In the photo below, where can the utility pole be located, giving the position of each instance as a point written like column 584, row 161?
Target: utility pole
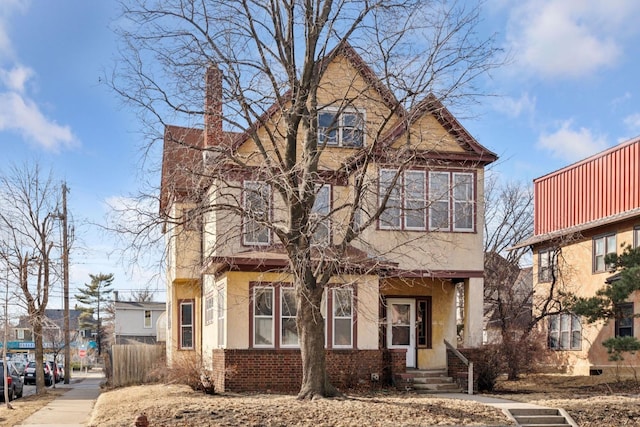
column 65, row 280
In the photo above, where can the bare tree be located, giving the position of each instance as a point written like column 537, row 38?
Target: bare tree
column 30, row 203
column 511, row 304
column 271, row 60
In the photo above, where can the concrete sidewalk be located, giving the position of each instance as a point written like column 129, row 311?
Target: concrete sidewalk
column 74, row 407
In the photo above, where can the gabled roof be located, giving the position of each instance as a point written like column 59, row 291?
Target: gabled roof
column 135, row 305
column 182, row 154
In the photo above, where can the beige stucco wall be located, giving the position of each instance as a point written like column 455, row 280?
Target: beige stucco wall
column 442, row 295
column 238, row 302
column 577, row 276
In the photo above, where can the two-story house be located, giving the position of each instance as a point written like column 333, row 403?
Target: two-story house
column 392, row 303
column 137, row 322
column 582, row 213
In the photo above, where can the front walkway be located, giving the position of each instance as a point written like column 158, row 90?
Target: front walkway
column 74, row 407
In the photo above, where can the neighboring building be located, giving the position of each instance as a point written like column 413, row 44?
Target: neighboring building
column 53, row 330
column 582, row 213
column 137, row 322
column 508, row 297
column 394, row 304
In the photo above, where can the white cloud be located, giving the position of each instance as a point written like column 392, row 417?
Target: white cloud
column 515, row 107
column 22, row 115
column 19, row 111
column 569, row 38
column 633, row 122
column 572, row 144
column 16, row 78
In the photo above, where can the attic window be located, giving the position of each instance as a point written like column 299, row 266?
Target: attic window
column 341, row 128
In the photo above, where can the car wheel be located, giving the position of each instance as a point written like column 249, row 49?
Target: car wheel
column 19, row 395
column 10, row 394
column 47, row 382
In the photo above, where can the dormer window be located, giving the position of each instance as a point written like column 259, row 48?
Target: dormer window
column 341, row 128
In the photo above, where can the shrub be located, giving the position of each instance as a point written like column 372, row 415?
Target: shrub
column 488, row 365
column 189, row 369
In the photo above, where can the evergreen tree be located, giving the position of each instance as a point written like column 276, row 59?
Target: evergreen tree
column 606, row 304
column 93, row 298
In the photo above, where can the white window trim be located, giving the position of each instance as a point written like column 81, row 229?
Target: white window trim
column 245, row 186
column 470, row 202
column 606, row 249
column 340, row 125
column 220, row 318
column 327, row 220
column 402, row 199
column 272, row 316
column 190, row 325
column 334, row 317
column 559, row 331
column 144, row 319
column 281, row 317
column 443, row 198
column 405, row 199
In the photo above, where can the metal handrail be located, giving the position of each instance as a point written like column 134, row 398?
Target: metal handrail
column 467, row 362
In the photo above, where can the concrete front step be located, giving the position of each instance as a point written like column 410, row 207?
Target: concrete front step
column 426, row 381
column 539, row 417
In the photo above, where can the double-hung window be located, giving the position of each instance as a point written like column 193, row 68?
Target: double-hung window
column 624, row 319
column 257, row 209
column 186, row 324
column 263, row 316
column 274, row 317
column 288, row 311
column 320, row 216
column 220, row 308
column 462, row 201
column 341, row 128
column 274, row 311
column 603, row 246
column 546, row 265
column 636, row 237
column 405, row 208
column 147, row 319
column 342, row 317
column 565, row 332
column 451, row 201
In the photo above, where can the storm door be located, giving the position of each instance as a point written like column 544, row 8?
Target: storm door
column 401, row 327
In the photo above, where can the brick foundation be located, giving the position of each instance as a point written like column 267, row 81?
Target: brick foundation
column 281, row 370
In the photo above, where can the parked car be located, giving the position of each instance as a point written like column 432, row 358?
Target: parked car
column 30, row 374
column 53, row 366
column 15, row 385
column 61, row 371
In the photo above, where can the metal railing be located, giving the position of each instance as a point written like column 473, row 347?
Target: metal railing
column 467, row 363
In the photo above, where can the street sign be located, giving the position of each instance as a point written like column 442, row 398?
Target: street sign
column 82, row 352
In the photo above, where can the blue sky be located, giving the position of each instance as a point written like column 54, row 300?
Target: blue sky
column 571, row 89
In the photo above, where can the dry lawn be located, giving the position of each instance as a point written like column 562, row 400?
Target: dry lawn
column 178, row 405
column 26, row 406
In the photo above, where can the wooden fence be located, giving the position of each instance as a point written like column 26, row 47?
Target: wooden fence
column 134, row 364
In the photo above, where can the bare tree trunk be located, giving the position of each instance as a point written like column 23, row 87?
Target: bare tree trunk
column 37, row 337
column 310, row 321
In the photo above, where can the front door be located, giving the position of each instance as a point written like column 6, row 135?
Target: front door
column 401, row 326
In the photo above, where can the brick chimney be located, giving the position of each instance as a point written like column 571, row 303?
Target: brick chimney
column 213, row 106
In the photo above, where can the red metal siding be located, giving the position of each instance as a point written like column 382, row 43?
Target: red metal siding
column 597, row 187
